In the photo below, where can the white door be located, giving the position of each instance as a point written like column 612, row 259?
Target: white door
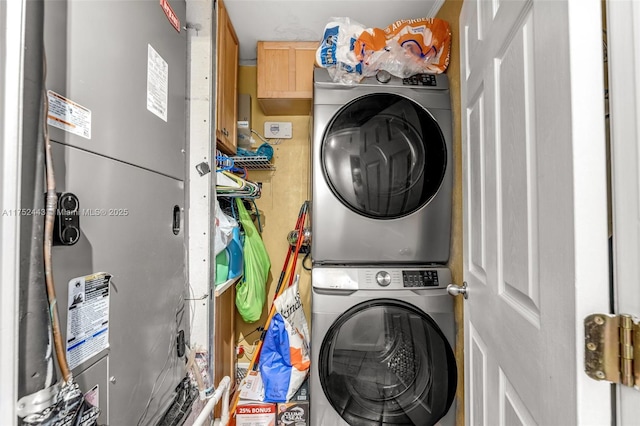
column 623, row 25
column 535, row 213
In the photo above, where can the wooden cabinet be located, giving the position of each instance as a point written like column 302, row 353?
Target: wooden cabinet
column 285, row 76
column 227, row 83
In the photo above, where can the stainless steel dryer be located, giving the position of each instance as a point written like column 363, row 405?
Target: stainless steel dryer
column 382, row 347
column 382, row 170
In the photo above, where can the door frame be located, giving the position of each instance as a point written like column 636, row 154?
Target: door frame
column 623, row 61
column 12, row 25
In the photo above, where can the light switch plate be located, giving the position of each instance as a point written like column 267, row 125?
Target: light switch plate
column 277, row 130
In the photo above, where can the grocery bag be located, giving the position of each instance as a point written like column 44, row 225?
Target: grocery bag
column 251, row 291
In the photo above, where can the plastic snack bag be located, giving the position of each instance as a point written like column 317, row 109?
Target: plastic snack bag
column 412, row 46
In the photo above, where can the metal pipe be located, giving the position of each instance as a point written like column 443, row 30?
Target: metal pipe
column 222, row 391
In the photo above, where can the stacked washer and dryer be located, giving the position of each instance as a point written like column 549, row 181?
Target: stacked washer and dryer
column 382, row 324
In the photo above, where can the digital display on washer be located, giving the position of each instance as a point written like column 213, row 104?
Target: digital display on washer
column 420, row 278
column 420, row 80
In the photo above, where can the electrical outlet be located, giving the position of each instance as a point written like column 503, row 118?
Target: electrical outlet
column 277, row 130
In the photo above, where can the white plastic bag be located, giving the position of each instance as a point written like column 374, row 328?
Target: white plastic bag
column 336, row 50
column 223, row 229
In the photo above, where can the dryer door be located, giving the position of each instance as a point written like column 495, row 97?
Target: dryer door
column 385, row 362
column 384, row 156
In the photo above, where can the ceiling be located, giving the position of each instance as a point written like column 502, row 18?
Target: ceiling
column 304, row 20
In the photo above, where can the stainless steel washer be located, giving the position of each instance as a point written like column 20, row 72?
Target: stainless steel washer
column 382, row 347
column 381, row 171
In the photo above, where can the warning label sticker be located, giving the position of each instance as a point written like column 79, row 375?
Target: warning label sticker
column 171, row 15
column 87, row 317
column 68, row 115
column 157, row 84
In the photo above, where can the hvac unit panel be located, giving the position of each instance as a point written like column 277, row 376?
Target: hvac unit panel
column 127, row 230
column 111, row 58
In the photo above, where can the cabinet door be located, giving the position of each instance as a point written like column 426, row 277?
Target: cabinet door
column 285, row 76
column 227, row 100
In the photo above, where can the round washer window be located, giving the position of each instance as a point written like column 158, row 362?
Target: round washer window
column 385, row 362
column 384, row 156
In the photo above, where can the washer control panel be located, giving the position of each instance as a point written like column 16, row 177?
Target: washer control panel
column 420, row 278
column 420, row 80
column 382, row 278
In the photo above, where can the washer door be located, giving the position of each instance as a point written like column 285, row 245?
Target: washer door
column 383, row 156
column 385, row 362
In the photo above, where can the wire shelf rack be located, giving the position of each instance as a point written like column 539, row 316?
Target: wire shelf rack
column 257, row 162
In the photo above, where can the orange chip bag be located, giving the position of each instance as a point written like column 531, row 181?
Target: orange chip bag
column 426, row 41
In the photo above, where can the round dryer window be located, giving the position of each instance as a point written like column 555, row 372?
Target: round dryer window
column 385, row 362
column 384, row 156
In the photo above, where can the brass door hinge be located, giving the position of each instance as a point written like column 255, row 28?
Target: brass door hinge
column 612, row 348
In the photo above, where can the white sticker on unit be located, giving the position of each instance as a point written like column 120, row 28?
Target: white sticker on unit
column 69, row 116
column 337, row 279
column 157, row 84
column 87, row 317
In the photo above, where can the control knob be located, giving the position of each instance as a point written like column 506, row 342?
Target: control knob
column 383, row 278
column 383, row 76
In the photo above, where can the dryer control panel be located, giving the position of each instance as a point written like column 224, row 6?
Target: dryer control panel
column 420, row 278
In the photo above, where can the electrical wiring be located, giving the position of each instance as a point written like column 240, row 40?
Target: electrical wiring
column 193, row 311
column 263, row 139
column 304, row 259
column 259, row 328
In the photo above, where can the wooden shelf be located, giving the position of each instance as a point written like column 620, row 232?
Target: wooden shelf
column 221, row 288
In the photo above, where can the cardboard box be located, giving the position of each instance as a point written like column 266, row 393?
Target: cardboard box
column 256, row 414
column 293, row 414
